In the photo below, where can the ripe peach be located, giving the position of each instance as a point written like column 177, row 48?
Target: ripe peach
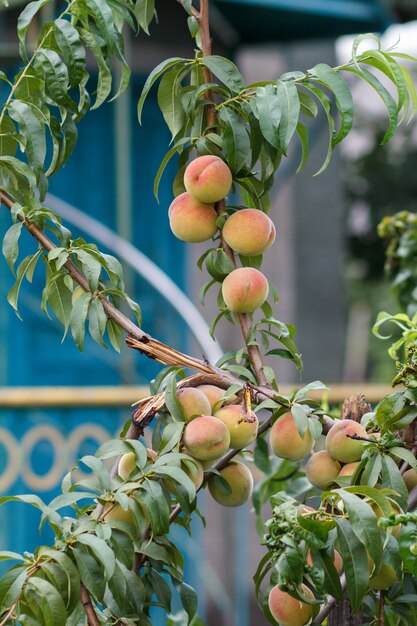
column 213, row 394
column 271, row 238
column 206, row 438
column 249, row 232
column 321, row 469
column 207, row 178
column 289, row 611
column 342, row 447
column 337, row 561
column 193, row 403
column 191, row 220
column 240, row 480
column 349, row 469
column 410, row 478
column 286, row 441
column 242, row 432
column 244, row 290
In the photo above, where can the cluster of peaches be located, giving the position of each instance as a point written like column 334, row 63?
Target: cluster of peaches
column 248, row 232
column 340, row 459
column 211, row 428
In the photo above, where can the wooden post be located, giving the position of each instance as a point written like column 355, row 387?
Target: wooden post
column 354, row 407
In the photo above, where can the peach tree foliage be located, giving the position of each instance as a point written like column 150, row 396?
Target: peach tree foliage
column 111, row 569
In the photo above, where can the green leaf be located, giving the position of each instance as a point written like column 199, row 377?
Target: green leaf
column 78, row 317
column 56, row 76
column 344, row 102
column 97, row 320
column 176, row 148
column 104, row 81
column 101, row 552
column 324, row 562
column 6, row 555
column 32, row 128
column 171, row 437
column 24, row 21
column 384, row 94
column 49, row 601
column 179, row 476
column 153, row 500
column 324, row 101
column 10, row 247
column 236, row 139
column 226, row 71
column 144, row 12
column 308, row 105
column 90, row 266
column 72, row 49
column 218, row 264
column 171, row 401
column 392, row 479
column 169, row 100
column 303, row 136
column 189, row 600
column 363, row 522
column 26, row 268
column 115, row 334
column 268, row 111
column 91, row 573
column 104, row 17
column 11, row 585
column 153, row 76
column 9, row 139
column 355, row 562
column 290, row 112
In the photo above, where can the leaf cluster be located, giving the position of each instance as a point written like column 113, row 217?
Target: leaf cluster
column 95, row 547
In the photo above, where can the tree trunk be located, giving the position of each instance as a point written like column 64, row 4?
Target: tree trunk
column 354, row 407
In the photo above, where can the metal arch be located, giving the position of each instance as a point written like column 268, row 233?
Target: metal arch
column 146, row 268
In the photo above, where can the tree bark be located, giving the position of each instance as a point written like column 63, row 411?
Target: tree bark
column 354, row 407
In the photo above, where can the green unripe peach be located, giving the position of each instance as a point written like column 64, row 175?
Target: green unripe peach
column 208, row 178
column 191, row 220
column 386, row 577
column 244, row 290
column 127, row 462
column 240, row 481
column 410, row 478
column 206, row 438
column 193, row 403
column 289, row 611
column 242, row 432
column 321, row 469
column 114, row 512
column 339, row 443
column 286, row 441
column 349, row 469
column 249, row 232
column 395, row 510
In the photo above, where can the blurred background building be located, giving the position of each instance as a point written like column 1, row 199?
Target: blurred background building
column 327, row 263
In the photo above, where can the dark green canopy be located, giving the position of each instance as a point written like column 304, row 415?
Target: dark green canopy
column 258, row 21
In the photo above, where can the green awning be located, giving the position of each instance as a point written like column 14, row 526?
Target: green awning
column 258, row 21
